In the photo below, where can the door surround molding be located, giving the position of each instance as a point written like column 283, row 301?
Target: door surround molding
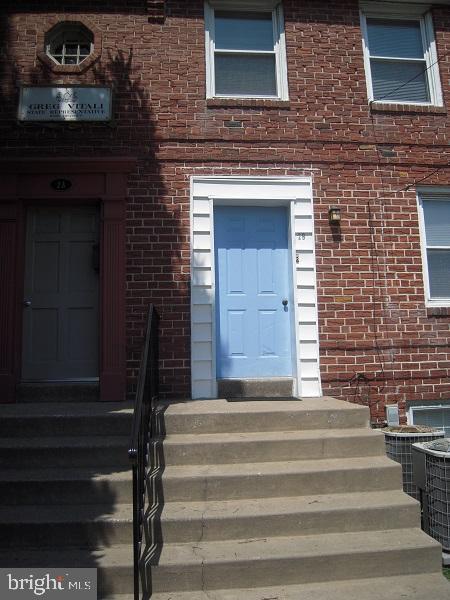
column 296, row 194
column 27, row 182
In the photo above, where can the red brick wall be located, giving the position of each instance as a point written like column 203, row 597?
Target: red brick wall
column 378, row 342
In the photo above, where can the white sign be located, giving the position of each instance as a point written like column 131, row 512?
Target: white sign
column 50, row 103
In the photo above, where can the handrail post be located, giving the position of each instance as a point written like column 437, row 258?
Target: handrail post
column 136, row 533
column 141, row 434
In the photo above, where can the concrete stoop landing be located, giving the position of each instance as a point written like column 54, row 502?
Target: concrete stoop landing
column 282, row 500
column 65, row 489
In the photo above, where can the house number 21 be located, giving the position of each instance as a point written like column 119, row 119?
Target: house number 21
column 61, row 185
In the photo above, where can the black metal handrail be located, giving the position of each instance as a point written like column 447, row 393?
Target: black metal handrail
column 146, row 399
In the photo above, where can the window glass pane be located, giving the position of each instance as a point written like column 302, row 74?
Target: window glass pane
column 402, row 39
column 388, row 76
column 243, row 31
column 69, row 43
column 437, row 417
column 439, row 273
column 245, row 75
column 437, row 222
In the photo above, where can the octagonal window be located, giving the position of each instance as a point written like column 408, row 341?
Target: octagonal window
column 69, row 43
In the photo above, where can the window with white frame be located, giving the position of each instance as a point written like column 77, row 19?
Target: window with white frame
column 245, row 50
column 434, row 210
column 69, row 43
column 400, row 54
column 437, row 416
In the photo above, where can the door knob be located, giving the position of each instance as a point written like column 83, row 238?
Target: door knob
column 284, row 302
column 27, row 303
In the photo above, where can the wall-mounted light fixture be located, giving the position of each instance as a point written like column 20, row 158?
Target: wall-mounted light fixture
column 334, row 215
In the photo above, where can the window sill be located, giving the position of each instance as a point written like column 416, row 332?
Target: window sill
column 68, row 69
column 407, row 108
column 246, row 103
column 438, row 311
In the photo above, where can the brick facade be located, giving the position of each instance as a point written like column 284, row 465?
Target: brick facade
column 378, row 341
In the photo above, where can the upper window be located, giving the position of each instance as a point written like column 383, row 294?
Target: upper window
column 69, row 43
column 245, row 50
column 400, row 56
column 435, row 231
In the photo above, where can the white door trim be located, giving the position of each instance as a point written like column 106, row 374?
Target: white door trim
column 296, row 194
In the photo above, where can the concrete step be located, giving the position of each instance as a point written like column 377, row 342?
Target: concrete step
column 60, row 419
column 276, row 479
column 411, row 587
column 66, row 451
column 114, row 564
column 293, row 560
column 91, row 525
column 65, row 486
column 297, row 515
column 215, row 416
column 34, row 392
column 268, row 388
column 220, row 448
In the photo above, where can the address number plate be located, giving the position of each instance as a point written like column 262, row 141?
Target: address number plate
column 61, row 185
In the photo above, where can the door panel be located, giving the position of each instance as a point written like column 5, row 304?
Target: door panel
column 252, row 279
column 82, row 334
column 46, row 267
column 60, row 326
column 44, row 333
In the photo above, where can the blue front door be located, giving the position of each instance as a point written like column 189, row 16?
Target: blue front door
column 253, row 304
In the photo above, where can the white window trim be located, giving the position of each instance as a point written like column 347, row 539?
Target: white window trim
column 420, row 407
column 421, row 13
column 429, row 194
column 65, row 29
column 279, row 46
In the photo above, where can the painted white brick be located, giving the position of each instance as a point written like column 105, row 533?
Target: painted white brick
column 309, row 350
column 304, row 241
column 202, row 206
column 305, row 259
column 202, row 295
column 307, row 313
column 303, row 208
column 307, row 332
column 202, row 389
column 202, row 241
column 306, row 277
column 202, row 258
column 201, row 332
column 303, row 224
column 203, row 369
column 202, row 313
column 201, row 277
column 251, row 190
column 310, row 387
column 309, row 368
column 201, row 351
column 306, row 295
column 202, row 223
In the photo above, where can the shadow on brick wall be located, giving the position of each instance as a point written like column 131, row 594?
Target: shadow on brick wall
column 154, row 229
